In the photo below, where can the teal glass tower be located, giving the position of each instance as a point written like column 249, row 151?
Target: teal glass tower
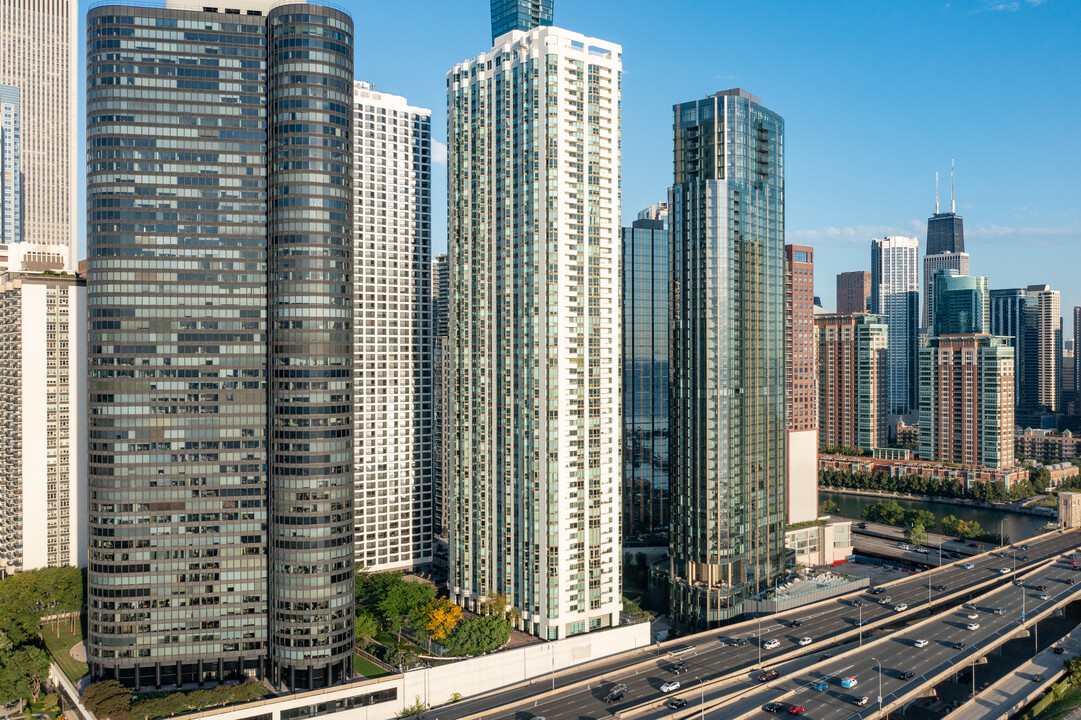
column 728, row 442
column 510, row 15
column 962, row 304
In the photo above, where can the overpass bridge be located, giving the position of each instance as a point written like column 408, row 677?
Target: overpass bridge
column 722, row 658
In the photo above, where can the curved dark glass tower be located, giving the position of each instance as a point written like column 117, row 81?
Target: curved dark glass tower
column 219, row 287
column 311, row 354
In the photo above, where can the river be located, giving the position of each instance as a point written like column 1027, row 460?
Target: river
column 1016, row 526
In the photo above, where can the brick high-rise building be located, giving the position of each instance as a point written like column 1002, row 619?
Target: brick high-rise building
column 852, row 364
column 966, row 400
column 801, row 379
column 854, row 292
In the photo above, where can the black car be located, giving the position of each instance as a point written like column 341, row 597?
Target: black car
column 907, row 675
column 677, row 703
column 1023, row 558
column 1037, row 678
column 736, row 642
column 1041, row 588
column 679, row 668
column 857, row 603
column 938, row 588
column 613, row 697
column 773, row 707
column 824, row 657
column 1024, row 547
column 795, row 623
column 1060, row 650
column 959, row 646
column 878, row 591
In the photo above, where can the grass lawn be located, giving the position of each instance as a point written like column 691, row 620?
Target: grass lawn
column 60, row 648
column 367, row 668
column 1070, row 700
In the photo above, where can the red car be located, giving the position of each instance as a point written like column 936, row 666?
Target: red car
column 769, row 675
column 796, row 710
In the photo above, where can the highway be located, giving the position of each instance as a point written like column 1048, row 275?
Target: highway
column 902, row 652
column 580, row 694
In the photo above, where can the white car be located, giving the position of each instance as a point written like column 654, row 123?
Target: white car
column 900, row 608
column 921, row 643
column 968, row 566
column 1045, row 596
column 770, row 644
column 1004, row 571
column 805, row 641
column 973, row 626
column 973, row 616
column 670, row 686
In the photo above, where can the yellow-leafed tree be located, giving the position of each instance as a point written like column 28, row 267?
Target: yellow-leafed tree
column 443, row 617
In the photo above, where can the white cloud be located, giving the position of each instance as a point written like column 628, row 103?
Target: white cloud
column 860, row 234
column 439, row 153
column 1021, row 236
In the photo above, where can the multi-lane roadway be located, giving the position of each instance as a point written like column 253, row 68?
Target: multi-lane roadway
column 581, row 694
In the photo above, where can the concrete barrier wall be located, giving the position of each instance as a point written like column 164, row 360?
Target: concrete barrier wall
column 434, row 686
column 756, row 608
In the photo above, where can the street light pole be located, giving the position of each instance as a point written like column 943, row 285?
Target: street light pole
column 880, row 704
column 759, row 636
column 701, row 695
column 861, row 625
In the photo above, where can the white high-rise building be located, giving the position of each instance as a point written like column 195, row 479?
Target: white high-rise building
column 895, row 295
column 10, row 172
column 39, row 55
column 392, row 211
column 533, row 129
column 43, row 512
column 958, row 261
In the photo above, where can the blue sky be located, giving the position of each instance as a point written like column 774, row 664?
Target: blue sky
column 876, row 96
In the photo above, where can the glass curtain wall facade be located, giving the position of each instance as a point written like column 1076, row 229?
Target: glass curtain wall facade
column 962, row 304
column 931, row 265
column 1032, row 318
column 220, row 351
column 440, row 305
column 727, row 451
column 945, row 233
column 11, row 206
column 646, row 263
column 895, row 295
column 522, row 15
column 535, row 466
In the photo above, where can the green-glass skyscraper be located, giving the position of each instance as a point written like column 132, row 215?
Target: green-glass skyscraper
column 523, row 15
column 726, row 218
column 962, row 304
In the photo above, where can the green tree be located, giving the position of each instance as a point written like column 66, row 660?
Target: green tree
column 889, row 513
column 474, row 636
column 956, row 527
column 366, row 626
column 828, row 507
column 915, row 534
column 415, row 709
column 1073, row 670
column 401, row 601
column 1040, row 478
column 920, row 517
column 108, row 699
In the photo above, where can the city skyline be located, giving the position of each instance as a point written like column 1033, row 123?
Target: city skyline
column 865, row 174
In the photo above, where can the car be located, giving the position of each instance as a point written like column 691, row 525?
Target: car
column 1003, row 571
column 1041, row 588
column 999, row 611
column 907, row 675
column 805, row 641
column 679, row 668
column 973, row 545
column 849, row 682
column 677, row 703
column 878, row 591
column 618, row 688
column 1077, row 568
column 613, row 697
column 736, row 642
column 824, row 657
column 769, row 675
column 770, row 644
column 819, row 686
column 969, row 606
column 1070, row 581
column 1060, row 650
column 938, row 588
column 670, row 686
column 968, row 566
column 1024, row 547
column 862, row 525
column 1045, row 596
column 1073, row 563
column 857, row 603
column 1018, row 583
column 973, row 616
column 959, row 646
column 860, row 701
column 772, row 707
column 973, row 626
column 1037, row 678
column 900, row 607
column 921, row 643
column 796, row 710
column 1023, row 558
column 795, row 623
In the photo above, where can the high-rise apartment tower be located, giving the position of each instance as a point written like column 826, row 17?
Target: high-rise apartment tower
column 535, row 329
column 11, row 205
column 852, row 365
column 931, row 265
column 801, row 386
column 962, row 304
column 895, row 295
column 392, row 353
column 521, row 15
column 854, row 292
column 220, row 294
column 728, row 434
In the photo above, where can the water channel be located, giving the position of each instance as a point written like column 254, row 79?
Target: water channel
column 1015, row 525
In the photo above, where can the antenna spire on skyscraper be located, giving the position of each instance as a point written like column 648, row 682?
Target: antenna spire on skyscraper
column 953, row 196
column 936, row 192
